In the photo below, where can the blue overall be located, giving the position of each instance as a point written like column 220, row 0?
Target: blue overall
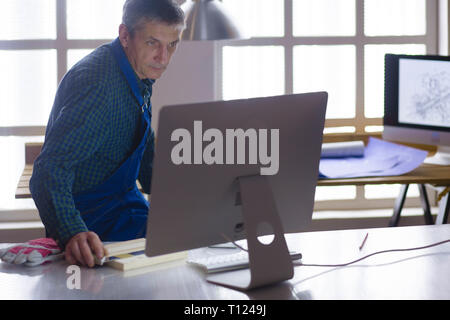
column 116, row 210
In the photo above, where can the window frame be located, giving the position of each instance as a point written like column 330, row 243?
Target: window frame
column 23, row 212
column 430, row 39
column 359, row 40
column 62, row 44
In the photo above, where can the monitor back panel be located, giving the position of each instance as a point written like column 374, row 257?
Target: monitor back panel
column 192, row 204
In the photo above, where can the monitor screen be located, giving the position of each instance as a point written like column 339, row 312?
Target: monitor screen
column 424, row 93
column 417, row 100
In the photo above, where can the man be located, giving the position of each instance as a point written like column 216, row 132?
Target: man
column 99, row 140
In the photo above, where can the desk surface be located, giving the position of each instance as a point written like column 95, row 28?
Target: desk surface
column 424, row 174
column 421, row 274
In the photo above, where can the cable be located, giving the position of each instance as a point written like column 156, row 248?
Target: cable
column 369, row 255
column 233, row 242
column 351, row 262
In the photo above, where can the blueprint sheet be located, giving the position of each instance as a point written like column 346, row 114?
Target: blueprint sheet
column 381, row 158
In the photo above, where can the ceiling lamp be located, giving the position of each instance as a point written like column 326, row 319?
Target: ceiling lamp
column 209, row 20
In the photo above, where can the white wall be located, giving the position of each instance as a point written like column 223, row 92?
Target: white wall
column 189, row 78
column 443, row 28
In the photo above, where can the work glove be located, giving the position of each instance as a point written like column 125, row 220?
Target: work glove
column 32, row 253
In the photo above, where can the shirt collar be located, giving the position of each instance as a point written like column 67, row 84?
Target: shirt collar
column 145, row 84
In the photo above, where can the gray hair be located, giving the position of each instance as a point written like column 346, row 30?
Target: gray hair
column 166, row 11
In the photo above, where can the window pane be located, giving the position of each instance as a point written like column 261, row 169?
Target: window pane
column 335, row 193
column 394, row 17
column 373, row 129
column 27, row 19
column 258, row 18
column 331, row 69
column 99, row 19
column 250, row 72
column 345, row 129
column 309, row 17
column 374, row 74
column 75, row 55
column 27, row 86
column 387, row 191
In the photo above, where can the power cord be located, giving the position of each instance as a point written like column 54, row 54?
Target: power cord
column 369, row 255
column 351, row 262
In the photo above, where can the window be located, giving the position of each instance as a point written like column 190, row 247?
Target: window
column 93, row 19
column 242, row 65
column 40, row 40
column 293, row 48
column 28, row 19
column 333, row 45
column 328, row 68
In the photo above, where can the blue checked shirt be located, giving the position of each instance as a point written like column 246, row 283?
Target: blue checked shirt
column 94, row 126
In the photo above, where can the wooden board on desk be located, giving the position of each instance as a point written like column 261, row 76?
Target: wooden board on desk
column 23, row 191
column 130, row 255
column 136, row 260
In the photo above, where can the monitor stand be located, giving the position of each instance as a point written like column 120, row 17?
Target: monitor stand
column 269, row 263
column 442, row 157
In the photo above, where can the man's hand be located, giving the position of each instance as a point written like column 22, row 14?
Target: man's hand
column 82, row 246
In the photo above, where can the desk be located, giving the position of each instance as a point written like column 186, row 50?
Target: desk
column 424, row 174
column 438, row 176
column 421, row 274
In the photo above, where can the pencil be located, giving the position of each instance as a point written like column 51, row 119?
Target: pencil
column 364, row 241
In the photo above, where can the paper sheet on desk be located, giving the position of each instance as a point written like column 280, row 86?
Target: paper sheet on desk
column 381, row 158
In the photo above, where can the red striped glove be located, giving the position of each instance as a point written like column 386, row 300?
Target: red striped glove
column 32, row 253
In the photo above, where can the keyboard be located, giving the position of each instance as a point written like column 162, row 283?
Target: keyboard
column 227, row 262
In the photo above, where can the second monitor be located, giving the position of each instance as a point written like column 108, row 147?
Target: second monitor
column 417, row 102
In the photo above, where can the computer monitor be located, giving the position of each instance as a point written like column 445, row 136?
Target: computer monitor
column 224, row 169
column 417, row 102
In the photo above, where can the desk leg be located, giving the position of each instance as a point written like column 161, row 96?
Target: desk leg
column 399, row 206
column 425, row 204
column 444, row 208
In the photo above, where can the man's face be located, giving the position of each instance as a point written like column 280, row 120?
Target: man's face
column 150, row 48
